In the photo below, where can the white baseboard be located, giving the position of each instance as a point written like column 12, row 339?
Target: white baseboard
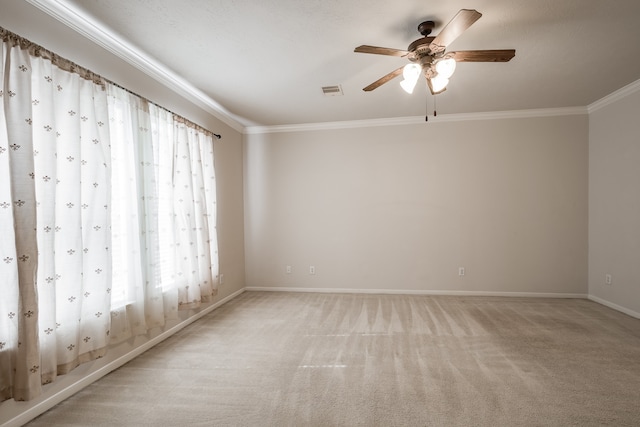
column 419, row 292
column 615, row 306
column 66, row 392
column 449, row 293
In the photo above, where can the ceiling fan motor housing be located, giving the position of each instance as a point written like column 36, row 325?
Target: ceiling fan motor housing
column 420, row 52
column 426, row 27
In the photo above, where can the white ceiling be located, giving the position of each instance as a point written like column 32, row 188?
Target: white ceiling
column 266, row 61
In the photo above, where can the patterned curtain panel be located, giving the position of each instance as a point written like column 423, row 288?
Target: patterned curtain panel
column 55, row 261
column 137, row 292
column 194, row 203
column 92, row 176
column 163, row 215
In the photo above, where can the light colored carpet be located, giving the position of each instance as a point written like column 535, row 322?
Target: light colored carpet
column 291, row 359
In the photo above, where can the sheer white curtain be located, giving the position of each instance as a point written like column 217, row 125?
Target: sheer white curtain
column 91, row 178
column 163, row 215
column 139, row 302
column 55, row 261
column 194, row 205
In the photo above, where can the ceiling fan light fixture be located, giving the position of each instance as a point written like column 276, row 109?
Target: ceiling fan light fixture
column 411, row 74
column 438, row 83
column 430, row 53
column 411, row 71
column 446, row 67
column 408, row 85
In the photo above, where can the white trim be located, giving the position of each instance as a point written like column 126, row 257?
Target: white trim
column 399, row 121
column 614, row 306
column 417, row 292
column 103, row 36
column 92, row 377
column 446, row 293
column 615, row 96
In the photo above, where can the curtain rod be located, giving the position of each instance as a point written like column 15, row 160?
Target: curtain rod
column 187, row 121
column 67, row 65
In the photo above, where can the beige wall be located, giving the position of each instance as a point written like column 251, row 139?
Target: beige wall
column 401, row 208
column 614, row 203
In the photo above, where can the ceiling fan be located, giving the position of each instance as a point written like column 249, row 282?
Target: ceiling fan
column 428, row 55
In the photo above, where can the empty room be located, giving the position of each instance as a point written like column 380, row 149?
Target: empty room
column 319, row 213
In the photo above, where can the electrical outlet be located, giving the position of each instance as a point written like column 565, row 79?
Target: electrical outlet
column 221, row 279
column 461, row 271
column 312, row 269
column 608, row 280
column 288, row 269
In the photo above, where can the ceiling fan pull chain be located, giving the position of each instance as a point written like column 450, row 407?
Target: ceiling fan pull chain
column 435, row 113
column 426, row 117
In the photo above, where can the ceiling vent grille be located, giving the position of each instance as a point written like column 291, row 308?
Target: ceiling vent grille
column 332, row 90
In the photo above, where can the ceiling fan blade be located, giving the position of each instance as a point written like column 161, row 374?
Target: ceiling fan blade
column 380, row 50
column 463, row 20
column 497, row 55
column 384, row 79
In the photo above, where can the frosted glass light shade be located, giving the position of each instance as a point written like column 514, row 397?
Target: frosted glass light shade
column 446, row 67
column 411, row 72
column 408, row 85
column 439, row 83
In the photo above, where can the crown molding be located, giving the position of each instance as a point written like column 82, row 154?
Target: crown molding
column 103, row 36
column 615, row 96
column 400, row 121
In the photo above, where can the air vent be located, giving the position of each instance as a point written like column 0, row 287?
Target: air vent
column 332, row 90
